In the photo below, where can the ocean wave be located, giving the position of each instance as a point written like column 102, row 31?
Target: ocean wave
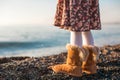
column 24, row 44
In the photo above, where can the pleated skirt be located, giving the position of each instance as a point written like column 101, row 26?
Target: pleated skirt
column 78, row 15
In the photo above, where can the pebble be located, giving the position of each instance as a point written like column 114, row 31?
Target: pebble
column 36, row 68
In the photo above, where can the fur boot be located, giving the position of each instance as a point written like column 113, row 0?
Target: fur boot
column 73, row 62
column 89, row 63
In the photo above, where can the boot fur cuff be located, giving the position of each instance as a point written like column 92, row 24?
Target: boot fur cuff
column 73, row 47
column 94, row 49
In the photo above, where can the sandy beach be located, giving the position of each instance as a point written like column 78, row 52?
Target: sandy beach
column 35, row 68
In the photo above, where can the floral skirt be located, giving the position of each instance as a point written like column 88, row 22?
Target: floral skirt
column 78, row 15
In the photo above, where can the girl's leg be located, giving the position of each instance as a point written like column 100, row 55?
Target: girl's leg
column 87, row 38
column 92, row 52
column 76, row 39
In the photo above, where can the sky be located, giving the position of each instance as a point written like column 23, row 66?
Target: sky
column 41, row 12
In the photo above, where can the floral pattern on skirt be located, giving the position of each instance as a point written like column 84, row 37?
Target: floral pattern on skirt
column 78, row 15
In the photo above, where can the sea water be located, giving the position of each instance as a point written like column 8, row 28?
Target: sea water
column 47, row 40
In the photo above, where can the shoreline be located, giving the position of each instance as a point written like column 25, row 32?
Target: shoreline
column 35, row 68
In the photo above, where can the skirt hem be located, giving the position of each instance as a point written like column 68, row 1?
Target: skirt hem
column 75, row 30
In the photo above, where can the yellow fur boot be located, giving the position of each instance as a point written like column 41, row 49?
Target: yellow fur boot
column 89, row 63
column 73, row 63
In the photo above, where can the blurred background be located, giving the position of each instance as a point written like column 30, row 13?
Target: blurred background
column 26, row 27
